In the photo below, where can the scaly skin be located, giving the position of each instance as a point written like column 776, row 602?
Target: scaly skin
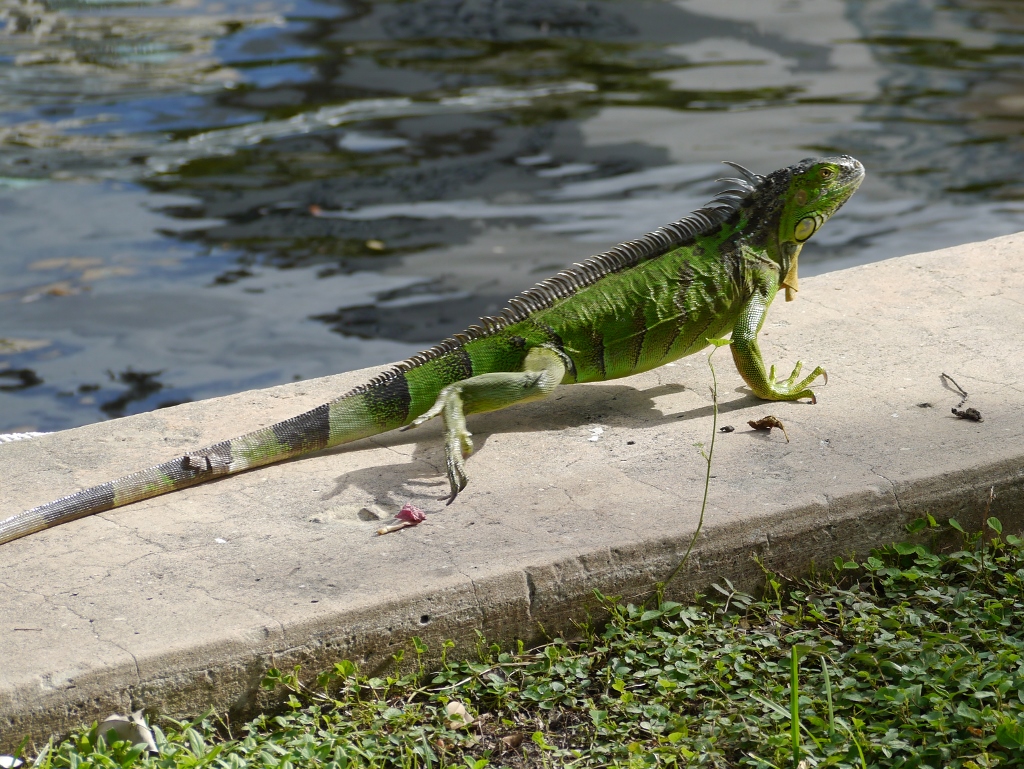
column 638, row 306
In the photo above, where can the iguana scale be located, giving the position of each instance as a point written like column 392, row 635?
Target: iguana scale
column 638, row 306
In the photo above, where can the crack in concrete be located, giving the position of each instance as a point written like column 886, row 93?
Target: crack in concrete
column 135, row 661
column 976, row 378
column 531, row 595
column 90, row 622
column 136, row 559
column 1008, row 299
column 14, row 589
column 134, row 530
column 478, row 605
column 643, row 482
column 218, row 599
column 570, row 498
column 892, row 485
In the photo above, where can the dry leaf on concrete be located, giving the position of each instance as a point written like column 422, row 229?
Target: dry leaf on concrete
column 971, row 414
column 767, row 423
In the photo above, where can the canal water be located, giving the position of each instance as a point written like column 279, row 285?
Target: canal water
column 203, row 196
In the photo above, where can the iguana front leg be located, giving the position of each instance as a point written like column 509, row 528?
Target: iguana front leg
column 747, row 354
column 542, row 371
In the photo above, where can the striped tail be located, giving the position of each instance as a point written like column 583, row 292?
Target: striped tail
column 368, row 410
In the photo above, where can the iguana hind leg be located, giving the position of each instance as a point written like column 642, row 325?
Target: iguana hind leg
column 542, row 371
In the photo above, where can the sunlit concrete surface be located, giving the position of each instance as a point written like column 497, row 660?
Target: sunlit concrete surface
column 184, row 601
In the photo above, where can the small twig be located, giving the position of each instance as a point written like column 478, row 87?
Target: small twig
column 959, row 389
column 394, row 527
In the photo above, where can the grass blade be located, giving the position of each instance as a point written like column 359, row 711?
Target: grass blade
column 794, row 707
column 828, row 699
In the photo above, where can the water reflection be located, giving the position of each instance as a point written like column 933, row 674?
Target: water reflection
column 206, row 196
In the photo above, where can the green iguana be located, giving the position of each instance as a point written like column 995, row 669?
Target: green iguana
column 638, row 306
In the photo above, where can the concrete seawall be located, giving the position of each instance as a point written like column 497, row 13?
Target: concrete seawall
column 184, row 601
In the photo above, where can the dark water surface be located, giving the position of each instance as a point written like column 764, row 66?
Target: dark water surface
column 200, row 197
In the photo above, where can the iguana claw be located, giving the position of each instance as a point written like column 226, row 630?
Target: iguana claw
column 457, row 446
column 790, row 389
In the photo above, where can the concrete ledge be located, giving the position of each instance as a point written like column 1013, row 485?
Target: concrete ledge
column 184, row 601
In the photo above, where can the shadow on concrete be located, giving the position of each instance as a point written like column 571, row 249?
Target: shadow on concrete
column 421, row 480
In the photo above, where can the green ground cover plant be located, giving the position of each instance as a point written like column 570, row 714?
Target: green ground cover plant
column 909, row 658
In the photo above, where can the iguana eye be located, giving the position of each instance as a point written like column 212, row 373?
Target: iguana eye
column 827, row 173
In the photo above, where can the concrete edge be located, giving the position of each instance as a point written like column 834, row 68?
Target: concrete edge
column 549, row 599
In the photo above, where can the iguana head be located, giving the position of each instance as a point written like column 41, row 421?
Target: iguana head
column 817, row 187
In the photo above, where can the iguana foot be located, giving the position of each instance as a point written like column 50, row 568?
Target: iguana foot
column 543, row 370
column 790, row 389
column 458, row 444
column 458, row 441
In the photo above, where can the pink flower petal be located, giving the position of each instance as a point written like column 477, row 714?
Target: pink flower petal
column 411, row 514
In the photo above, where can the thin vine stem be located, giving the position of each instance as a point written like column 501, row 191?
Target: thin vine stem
column 707, row 475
